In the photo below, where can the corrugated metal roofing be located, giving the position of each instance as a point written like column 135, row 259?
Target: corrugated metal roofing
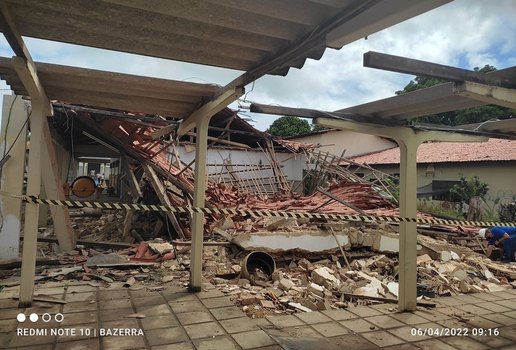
column 449, row 152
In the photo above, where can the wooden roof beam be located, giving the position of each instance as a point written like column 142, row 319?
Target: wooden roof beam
column 206, row 111
column 487, row 93
column 411, row 66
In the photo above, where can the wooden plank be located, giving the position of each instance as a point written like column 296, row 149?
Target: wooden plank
column 8, row 264
column 347, row 204
column 99, row 244
column 163, row 197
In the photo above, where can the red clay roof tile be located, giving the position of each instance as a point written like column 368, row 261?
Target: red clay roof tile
column 447, row 152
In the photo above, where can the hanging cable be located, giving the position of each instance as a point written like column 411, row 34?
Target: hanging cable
column 6, row 153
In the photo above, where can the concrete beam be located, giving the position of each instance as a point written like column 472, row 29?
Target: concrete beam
column 398, row 132
column 207, row 111
column 487, row 93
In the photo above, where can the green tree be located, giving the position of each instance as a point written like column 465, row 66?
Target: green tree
column 469, row 188
column 289, row 126
column 465, row 116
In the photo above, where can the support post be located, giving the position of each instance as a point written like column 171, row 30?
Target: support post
column 28, row 269
column 201, row 146
column 53, row 184
column 408, row 230
column 14, row 113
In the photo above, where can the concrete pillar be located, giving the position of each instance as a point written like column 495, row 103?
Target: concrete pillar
column 28, row 269
column 43, row 210
column 201, row 146
column 13, row 121
column 408, row 230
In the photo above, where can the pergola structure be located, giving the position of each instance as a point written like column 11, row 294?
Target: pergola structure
column 255, row 37
column 391, row 118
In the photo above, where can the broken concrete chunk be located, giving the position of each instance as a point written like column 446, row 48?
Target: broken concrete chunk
column 161, row 247
column 309, row 304
column 421, row 259
column 393, row 288
column 459, row 273
column 274, row 223
column 267, row 304
column 305, row 264
column 225, row 223
column 299, row 307
column 285, row 284
column 316, row 289
column 445, row 256
column 111, row 258
column 324, row 276
column 247, row 299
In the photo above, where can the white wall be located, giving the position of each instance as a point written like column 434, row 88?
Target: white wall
column 353, row 143
column 292, row 165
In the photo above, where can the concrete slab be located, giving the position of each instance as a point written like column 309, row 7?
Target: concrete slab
column 313, row 317
column 465, row 343
column 382, row 338
column 178, row 320
column 384, row 321
column 204, row 330
column 359, row 325
column 211, row 303
column 85, row 344
column 168, row 336
column 432, row 344
column 285, row 321
column 216, row 343
column 330, row 329
column 224, row 313
column 364, row 311
column 157, row 322
column 194, row 317
column 339, row 315
column 241, row 324
column 253, row 339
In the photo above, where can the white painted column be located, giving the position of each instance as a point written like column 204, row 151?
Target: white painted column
column 30, row 231
column 12, row 174
column 408, row 230
column 201, row 146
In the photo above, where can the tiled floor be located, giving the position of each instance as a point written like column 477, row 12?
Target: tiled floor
column 175, row 319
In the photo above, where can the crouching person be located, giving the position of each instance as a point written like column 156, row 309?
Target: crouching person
column 500, row 236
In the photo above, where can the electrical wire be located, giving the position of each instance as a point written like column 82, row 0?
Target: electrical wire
column 7, row 125
column 16, row 138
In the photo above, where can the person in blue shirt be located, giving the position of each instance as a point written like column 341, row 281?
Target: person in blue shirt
column 503, row 236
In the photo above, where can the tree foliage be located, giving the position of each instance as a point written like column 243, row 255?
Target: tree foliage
column 465, row 116
column 469, row 188
column 289, row 126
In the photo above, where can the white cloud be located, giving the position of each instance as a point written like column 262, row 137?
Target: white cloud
column 465, row 33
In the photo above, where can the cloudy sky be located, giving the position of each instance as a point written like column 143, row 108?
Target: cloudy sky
column 463, row 33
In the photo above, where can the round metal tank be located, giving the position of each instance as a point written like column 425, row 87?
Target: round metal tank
column 83, row 186
column 258, row 266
